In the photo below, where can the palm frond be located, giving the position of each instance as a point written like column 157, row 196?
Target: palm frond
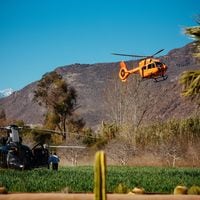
column 191, row 84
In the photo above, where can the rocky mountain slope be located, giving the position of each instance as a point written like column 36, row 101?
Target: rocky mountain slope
column 94, row 82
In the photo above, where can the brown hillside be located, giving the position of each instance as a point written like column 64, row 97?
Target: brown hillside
column 94, row 83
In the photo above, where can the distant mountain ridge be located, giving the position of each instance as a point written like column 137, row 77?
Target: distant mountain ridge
column 91, row 81
column 6, row 92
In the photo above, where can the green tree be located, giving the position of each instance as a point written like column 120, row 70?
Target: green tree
column 2, row 117
column 191, row 79
column 61, row 102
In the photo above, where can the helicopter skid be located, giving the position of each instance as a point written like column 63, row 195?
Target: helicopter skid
column 161, row 78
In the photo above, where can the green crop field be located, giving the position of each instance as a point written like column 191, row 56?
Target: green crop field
column 80, row 179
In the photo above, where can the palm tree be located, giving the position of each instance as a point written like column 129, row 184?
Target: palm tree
column 194, row 32
column 191, row 84
column 191, row 79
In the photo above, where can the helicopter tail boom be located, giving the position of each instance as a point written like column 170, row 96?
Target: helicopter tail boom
column 124, row 72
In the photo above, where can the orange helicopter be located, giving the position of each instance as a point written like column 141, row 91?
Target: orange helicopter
column 148, row 67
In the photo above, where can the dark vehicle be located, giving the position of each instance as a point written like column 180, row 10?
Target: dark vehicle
column 14, row 154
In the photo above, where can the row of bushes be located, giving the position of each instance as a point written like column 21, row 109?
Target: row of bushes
column 186, row 130
column 144, row 135
column 171, row 142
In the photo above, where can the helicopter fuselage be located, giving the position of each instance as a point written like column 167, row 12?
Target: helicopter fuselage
column 13, row 154
column 152, row 68
column 147, row 68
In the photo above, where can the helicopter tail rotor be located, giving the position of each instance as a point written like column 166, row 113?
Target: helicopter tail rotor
column 123, row 72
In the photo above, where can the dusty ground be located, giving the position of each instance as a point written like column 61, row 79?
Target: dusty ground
column 61, row 196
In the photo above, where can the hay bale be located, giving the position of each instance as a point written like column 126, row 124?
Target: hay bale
column 180, row 190
column 137, row 190
column 3, row 190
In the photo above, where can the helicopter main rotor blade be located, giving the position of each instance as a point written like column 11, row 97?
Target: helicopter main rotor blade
column 157, row 52
column 68, row 147
column 138, row 56
column 129, row 55
column 43, row 130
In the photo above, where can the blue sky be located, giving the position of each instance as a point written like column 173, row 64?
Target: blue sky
column 36, row 36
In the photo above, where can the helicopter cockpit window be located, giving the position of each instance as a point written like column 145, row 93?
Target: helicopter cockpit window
column 150, row 66
column 158, row 64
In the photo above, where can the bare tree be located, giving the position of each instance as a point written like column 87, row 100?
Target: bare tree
column 124, row 101
column 120, row 151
